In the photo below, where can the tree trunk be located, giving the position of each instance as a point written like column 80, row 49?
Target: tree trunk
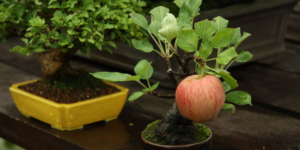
column 55, row 64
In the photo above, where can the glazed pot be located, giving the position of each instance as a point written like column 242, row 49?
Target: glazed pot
column 204, row 145
column 69, row 116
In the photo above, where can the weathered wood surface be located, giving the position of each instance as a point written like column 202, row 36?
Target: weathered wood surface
column 273, row 123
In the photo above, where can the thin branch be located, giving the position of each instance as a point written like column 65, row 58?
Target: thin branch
column 177, row 56
column 170, row 73
column 168, row 96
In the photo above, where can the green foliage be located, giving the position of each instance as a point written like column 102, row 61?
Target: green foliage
column 78, row 24
column 199, row 40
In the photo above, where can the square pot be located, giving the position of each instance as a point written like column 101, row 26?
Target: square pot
column 69, row 116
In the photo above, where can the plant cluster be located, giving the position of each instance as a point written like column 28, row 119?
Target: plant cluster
column 198, row 41
column 68, row 24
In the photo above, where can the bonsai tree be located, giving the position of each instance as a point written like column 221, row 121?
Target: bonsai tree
column 200, row 91
column 56, row 29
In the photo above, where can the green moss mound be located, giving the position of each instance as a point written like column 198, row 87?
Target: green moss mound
column 149, row 133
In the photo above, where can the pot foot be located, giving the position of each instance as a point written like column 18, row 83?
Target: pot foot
column 110, row 119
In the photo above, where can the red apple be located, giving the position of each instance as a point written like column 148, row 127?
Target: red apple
column 200, row 98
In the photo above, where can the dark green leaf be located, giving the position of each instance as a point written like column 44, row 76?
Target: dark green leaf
column 245, row 36
column 243, row 56
column 205, row 29
column 220, row 23
column 236, row 36
column 239, row 98
column 226, row 86
column 229, row 108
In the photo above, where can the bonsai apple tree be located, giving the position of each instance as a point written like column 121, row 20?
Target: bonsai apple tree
column 201, row 90
column 56, row 29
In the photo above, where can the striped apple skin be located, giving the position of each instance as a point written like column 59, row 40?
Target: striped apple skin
column 200, row 99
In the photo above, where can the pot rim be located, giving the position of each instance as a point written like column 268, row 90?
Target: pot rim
column 173, row 146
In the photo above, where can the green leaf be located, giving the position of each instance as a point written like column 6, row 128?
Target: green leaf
column 239, row 98
column 159, row 13
column 205, row 29
column 205, row 50
column 37, row 2
column 111, row 76
column 236, row 36
column 220, row 23
column 140, row 20
column 154, row 27
column 187, row 40
column 226, row 56
column 134, row 78
column 135, row 96
column 54, row 5
column 245, row 36
column 169, row 27
column 152, row 88
column 226, row 86
column 91, row 40
column 229, row 108
column 243, row 56
column 16, row 49
column 187, row 12
column 222, row 38
column 144, row 69
column 51, row 1
column 142, row 45
column 229, row 79
column 84, row 14
column 179, row 3
column 39, row 49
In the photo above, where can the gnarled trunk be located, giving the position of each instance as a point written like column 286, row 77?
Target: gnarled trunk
column 55, row 64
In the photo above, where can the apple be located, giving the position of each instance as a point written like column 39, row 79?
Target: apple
column 200, row 98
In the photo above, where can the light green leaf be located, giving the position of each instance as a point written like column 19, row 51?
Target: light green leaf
column 134, row 78
column 205, row 50
column 144, row 69
column 37, row 2
column 16, row 49
column 226, row 56
column 226, row 86
column 139, row 20
column 229, row 108
column 91, row 40
column 229, row 79
column 135, row 96
column 159, row 13
column 111, row 76
column 222, row 38
column 239, row 98
column 179, row 3
column 220, row 23
column 152, row 88
column 236, row 36
column 84, row 14
column 169, row 27
column 51, row 1
column 187, row 40
column 205, row 29
column 154, row 27
column 39, row 49
column 243, row 56
column 54, row 5
column 245, row 36
column 187, row 12
column 142, row 45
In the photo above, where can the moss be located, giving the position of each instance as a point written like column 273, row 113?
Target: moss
column 149, row 133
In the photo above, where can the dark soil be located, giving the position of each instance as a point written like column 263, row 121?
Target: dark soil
column 87, row 87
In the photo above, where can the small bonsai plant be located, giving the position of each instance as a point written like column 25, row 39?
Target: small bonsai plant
column 56, row 29
column 200, row 91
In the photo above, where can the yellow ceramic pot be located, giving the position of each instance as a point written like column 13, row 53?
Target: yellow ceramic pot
column 69, row 116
